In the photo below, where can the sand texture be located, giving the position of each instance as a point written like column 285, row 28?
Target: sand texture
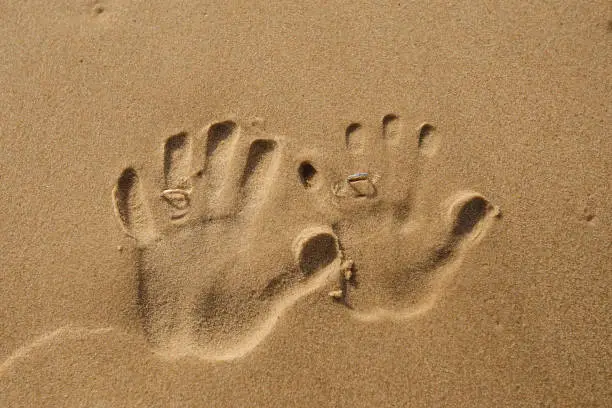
column 347, row 204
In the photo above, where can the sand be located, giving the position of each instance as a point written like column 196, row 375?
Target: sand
column 354, row 204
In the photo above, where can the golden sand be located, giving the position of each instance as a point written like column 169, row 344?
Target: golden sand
column 360, row 204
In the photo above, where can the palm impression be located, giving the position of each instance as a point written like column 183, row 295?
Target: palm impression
column 218, row 255
column 401, row 255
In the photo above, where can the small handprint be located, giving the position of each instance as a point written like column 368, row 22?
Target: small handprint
column 401, row 256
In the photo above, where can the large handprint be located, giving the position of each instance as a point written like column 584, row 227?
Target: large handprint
column 219, row 256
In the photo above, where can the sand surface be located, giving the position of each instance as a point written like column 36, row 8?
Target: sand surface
column 360, row 204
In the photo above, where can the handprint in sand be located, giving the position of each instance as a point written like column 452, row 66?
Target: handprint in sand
column 219, row 255
column 402, row 254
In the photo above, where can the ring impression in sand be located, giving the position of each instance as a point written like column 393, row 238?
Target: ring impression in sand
column 228, row 237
